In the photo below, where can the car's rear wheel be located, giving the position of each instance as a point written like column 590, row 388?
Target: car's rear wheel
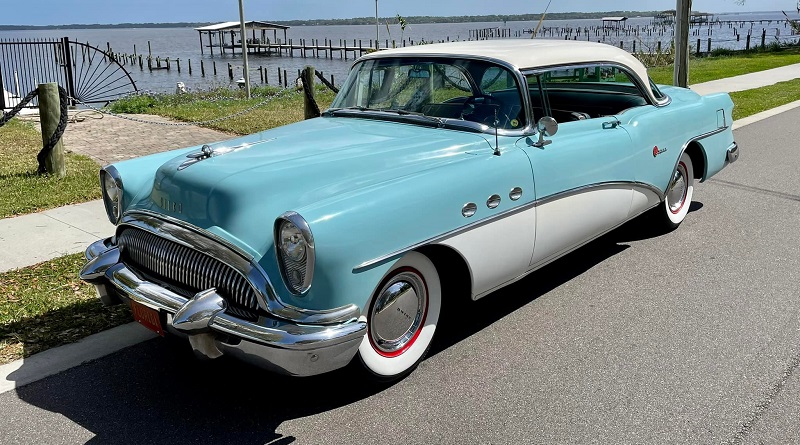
column 402, row 318
column 679, row 194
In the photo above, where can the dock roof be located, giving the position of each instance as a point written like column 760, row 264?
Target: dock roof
column 234, row 26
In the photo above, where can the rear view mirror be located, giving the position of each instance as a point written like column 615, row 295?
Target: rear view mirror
column 417, row 73
column 547, row 126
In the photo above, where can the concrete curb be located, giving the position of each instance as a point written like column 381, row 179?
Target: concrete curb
column 53, row 361
column 765, row 114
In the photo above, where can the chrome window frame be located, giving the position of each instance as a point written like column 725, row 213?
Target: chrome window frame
column 644, row 90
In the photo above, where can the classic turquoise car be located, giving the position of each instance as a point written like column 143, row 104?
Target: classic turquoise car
column 440, row 172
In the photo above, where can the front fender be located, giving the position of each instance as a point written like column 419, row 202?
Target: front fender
column 366, row 224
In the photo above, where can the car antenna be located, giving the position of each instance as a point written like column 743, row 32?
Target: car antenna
column 496, row 138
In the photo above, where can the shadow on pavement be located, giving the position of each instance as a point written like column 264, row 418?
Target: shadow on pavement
column 157, row 392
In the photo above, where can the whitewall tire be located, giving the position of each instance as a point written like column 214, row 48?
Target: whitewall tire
column 401, row 318
column 678, row 197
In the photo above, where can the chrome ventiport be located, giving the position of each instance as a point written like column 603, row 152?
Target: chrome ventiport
column 493, row 201
column 515, row 193
column 469, row 209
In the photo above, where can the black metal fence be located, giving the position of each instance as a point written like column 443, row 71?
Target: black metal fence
column 87, row 73
column 26, row 63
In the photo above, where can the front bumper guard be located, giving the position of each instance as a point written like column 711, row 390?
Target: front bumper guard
column 272, row 343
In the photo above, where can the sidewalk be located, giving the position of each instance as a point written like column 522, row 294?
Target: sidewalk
column 112, row 139
column 69, row 229
column 749, row 81
column 106, row 139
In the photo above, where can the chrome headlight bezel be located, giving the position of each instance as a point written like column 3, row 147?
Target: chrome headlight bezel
column 110, row 176
column 297, row 274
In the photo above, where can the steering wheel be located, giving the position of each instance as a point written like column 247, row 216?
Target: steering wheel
column 482, row 109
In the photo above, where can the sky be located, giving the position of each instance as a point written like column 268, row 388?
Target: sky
column 61, row 12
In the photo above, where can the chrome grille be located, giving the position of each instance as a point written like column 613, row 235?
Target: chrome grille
column 187, row 268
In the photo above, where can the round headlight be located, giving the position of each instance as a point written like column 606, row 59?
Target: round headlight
column 292, row 242
column 294, row 246
column 111, row 189
column 112, row 193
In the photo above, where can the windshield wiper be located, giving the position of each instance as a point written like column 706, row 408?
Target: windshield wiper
column 438, row 120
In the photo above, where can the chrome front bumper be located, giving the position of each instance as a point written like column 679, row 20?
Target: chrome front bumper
column 272, row 343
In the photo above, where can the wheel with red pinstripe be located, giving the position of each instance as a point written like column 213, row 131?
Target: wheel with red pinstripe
column 679, row 193
column 402, row 318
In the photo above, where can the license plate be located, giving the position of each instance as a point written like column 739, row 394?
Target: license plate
column 147, row 317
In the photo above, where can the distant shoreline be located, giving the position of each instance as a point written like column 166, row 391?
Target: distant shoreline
column 356, row 21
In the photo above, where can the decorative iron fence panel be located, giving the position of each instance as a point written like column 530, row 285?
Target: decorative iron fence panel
column 26, row 63
column 87, row 73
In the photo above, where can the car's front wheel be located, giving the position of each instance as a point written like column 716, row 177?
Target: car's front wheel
column 402, row 318
column 673, row 210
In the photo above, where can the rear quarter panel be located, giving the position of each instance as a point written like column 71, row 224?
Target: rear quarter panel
column 688, row 117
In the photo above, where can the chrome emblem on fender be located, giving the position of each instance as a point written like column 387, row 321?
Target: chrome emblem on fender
column 657, row 151
column 170, row 206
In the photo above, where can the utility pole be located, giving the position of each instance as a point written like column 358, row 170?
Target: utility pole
column 683, row 12
column 244, row 50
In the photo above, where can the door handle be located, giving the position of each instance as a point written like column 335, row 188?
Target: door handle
column 611, row 125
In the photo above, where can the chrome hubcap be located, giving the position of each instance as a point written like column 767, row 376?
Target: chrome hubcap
column 677, row 190
column 398, row 313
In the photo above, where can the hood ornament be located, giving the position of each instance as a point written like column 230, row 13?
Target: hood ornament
column 207, row 151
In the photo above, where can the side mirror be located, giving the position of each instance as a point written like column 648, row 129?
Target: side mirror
column 547, row 126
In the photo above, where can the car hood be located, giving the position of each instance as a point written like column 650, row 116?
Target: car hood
column 247, row 182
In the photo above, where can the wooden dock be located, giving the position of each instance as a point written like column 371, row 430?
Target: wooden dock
column 314, row 48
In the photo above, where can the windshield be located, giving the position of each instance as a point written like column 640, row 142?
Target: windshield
column 469, row 90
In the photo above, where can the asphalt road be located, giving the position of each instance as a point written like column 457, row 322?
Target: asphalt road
column 689, row 337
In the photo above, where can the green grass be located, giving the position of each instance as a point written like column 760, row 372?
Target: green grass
column 713, row 68
column 47, row 305
column 23, row 190
column 285, row 109
column 750, row 102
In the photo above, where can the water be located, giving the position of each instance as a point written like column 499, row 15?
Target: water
column 184, row 43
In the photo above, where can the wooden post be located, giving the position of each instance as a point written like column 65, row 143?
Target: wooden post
column 49, row 115
column 764, row 39
column 747, row 47
column 681, row 73
column 202, row 68
column 698, row 47
column 308, row 98
column 189, row 61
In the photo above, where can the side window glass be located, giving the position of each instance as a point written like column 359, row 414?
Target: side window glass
column 590, row 92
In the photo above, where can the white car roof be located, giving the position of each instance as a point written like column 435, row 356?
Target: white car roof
column 529, row 53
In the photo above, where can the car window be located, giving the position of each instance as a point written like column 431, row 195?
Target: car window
column 470, row 90
column 585, row 92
